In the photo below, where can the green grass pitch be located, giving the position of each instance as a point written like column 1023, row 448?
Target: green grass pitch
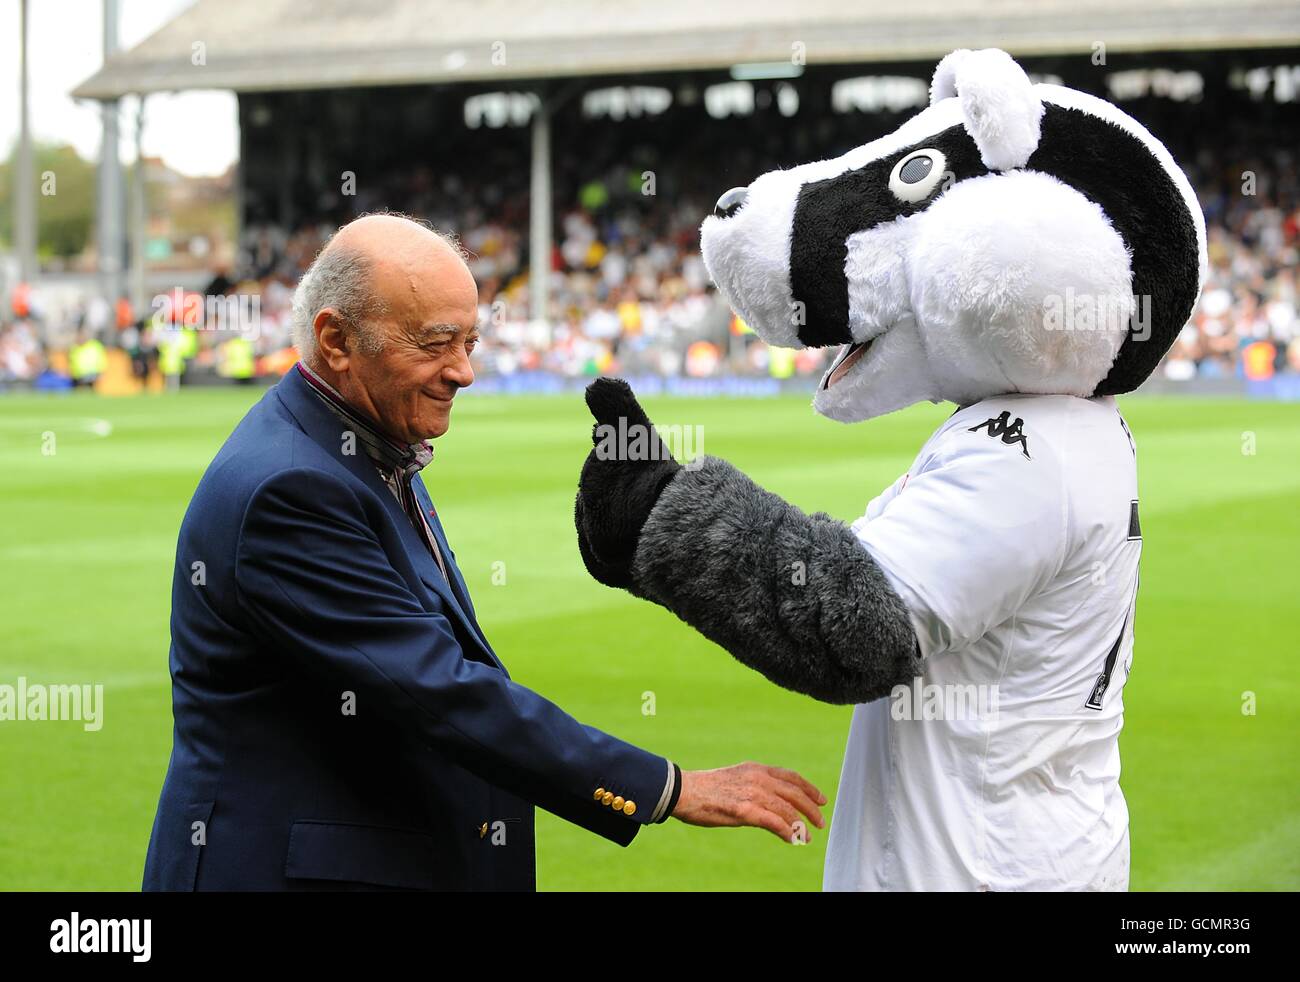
column 85, row 570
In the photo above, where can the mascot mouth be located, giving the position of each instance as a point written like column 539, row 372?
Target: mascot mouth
column 849, row 356
column 875, row 376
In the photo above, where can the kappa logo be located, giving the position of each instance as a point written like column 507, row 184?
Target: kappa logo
column 1001, row 426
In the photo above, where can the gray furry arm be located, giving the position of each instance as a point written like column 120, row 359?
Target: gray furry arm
column 794, row 596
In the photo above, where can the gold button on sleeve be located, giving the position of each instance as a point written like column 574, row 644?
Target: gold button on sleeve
column 629, row 807
column 600, row 793
column 607, row 797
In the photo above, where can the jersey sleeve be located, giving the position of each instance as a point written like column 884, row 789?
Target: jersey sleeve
column 971, row 534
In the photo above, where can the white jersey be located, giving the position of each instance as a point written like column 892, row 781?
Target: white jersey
column 1014, row 542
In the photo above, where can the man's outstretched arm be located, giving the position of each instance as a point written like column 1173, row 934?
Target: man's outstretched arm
column 317, row 581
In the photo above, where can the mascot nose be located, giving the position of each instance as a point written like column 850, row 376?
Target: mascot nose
column 730, row 202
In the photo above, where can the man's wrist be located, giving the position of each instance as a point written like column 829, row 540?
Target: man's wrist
column 672, row 793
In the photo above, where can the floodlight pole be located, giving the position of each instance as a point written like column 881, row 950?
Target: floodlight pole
column 539, row 213
column 112, row 191
column 138, row 213
column 24, row 185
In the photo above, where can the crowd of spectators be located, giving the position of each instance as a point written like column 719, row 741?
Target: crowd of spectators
column 629, row 292
column 1245, row 322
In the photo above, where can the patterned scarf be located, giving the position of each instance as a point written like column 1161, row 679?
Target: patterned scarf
column 397, row 462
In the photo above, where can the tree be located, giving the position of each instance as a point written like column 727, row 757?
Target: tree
column 65, row 200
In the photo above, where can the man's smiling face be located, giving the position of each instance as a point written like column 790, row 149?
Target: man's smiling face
column 429, row 333
column 426, row 313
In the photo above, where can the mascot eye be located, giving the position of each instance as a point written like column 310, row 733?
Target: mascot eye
column 917, row 175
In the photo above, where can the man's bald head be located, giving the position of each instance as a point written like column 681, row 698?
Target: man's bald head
column 393, row 236
column 366, row 267
column 388, row 315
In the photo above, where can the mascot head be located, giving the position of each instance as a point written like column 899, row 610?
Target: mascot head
column 1011, row 237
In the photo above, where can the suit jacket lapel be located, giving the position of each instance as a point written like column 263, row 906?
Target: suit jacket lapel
column 328, row 430
column 451, row 592
column 457, row 580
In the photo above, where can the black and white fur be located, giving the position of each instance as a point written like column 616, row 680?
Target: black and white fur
column 791, row 595
column 1035, row 192
column 931, row 255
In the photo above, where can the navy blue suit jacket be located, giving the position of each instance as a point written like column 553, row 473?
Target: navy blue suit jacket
column 341, row 722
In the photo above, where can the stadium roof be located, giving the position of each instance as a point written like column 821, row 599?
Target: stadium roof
column 254, row 45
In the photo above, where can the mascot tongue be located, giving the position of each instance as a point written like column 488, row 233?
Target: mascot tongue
column 853, row 352
column 877, row 376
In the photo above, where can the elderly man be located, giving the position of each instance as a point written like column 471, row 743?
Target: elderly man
column 341, row 721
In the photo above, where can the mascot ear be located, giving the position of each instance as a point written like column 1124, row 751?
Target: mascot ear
column 1001, row 111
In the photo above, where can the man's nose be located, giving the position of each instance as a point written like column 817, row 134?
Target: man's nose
column 460, row 372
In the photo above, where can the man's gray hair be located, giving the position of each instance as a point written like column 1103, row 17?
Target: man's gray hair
column 342, row 279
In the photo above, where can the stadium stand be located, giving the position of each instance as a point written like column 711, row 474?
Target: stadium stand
column 649, row 121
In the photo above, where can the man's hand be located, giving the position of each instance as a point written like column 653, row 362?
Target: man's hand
column 625, row 471
column 752, row 795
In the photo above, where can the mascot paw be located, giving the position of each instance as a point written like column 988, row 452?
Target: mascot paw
column 627, row 468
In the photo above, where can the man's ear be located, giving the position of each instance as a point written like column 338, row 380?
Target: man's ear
column 331, row 339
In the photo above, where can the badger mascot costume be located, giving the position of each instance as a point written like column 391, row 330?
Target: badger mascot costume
column 1025, row 252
